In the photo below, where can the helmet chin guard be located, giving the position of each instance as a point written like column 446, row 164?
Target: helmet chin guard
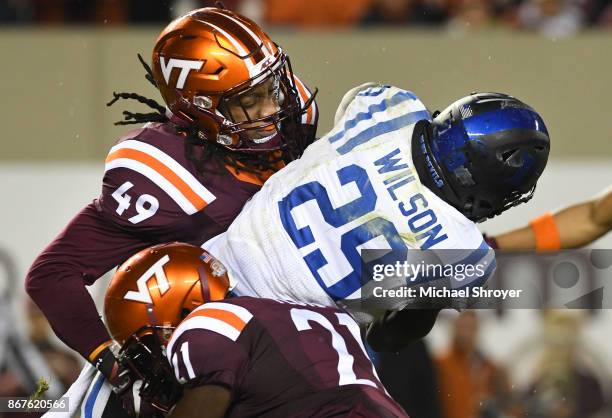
column 144, row 355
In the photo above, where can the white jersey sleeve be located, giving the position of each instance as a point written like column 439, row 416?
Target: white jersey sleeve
column 356, row 188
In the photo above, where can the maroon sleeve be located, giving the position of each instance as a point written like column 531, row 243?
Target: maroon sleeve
column 203, row 357
column 87, row 248
column 99, row 238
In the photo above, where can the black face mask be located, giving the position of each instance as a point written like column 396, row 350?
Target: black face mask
column 146, row 360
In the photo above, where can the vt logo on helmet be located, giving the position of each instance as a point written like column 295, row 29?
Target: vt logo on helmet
column 483, row 154
column 220, row 72
column 149, row 295
column 184, row 65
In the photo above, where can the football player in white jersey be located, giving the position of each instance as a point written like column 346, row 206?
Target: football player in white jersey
column 388, row 177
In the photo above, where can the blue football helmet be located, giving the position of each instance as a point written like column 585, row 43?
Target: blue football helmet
column 483, row 154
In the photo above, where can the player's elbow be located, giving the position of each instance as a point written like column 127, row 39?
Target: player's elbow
column 39, row 279
column 34, row 280
column 601, row 213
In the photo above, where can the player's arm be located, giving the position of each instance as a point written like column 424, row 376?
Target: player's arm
column 208, row 401
column 572, row 227
column 396, row 329
column 136, row 209
column 85, row 250
column 132, row 213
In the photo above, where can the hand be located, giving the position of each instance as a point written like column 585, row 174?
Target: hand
column 107, row 364
column 126, row 387
column 396, row 329
column 134, row 405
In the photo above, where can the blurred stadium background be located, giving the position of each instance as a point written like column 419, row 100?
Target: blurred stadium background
column 62, row 59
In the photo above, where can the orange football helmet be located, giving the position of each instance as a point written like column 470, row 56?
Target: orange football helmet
column 157, row 287
column 147, row 298
column 211, row 59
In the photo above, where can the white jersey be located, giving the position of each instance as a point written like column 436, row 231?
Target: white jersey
column 300, row 237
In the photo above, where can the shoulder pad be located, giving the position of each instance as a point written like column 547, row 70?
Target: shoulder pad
column 161, row 169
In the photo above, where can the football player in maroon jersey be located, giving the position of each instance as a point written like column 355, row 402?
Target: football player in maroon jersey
column 235, row 113
column 238, row 357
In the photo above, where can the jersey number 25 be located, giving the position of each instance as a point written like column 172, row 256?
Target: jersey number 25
column 350, row 241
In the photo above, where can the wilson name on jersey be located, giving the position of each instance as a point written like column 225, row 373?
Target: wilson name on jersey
column 300, row 237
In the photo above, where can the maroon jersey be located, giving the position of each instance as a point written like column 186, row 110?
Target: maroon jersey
column 280, row 360
column 152, row 193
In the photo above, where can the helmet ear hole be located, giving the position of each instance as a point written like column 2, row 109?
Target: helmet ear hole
column 506, row 155
column 513, row 158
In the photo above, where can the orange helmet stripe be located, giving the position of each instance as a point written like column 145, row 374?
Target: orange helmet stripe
column 304, row 95
column 243, row 34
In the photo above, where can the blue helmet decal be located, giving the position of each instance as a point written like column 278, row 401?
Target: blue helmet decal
column 448, row 140
column 447, row 145
column 502, row 120
column 454, row 160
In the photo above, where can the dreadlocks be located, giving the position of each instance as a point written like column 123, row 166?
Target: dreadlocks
column 197, row 149
column 133, row 118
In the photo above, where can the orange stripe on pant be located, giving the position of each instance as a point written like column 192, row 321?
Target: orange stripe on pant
column 229, row 318
column 163, row 170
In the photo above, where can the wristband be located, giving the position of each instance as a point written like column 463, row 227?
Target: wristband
column 94, row 354
column 106, row 363
column 546, row 234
